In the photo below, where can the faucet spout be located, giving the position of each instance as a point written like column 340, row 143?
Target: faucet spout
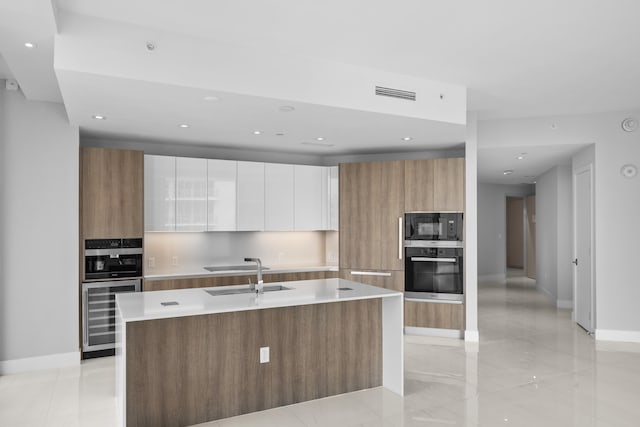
column 259, row 286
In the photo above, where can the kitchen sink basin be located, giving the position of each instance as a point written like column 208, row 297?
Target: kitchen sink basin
column 233, row 268
column 267, row 288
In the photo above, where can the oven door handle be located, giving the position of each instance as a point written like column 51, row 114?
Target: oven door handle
column 426, row 259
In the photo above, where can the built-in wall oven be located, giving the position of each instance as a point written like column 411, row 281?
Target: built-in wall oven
column 111, row 266
column 434, row 253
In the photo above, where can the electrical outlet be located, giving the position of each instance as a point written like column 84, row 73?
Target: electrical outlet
column 264, row 354
column 152, row 262
column 174, row 261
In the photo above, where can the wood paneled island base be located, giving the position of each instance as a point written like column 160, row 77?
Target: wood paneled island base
column 196, row 368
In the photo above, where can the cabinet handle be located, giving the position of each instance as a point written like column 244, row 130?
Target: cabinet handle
column 371, row 273
column 427, row 259
column 400, row 237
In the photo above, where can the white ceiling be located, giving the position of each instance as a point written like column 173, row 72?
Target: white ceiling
column 515, row 58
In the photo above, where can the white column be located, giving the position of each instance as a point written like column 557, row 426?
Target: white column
column 471, row 229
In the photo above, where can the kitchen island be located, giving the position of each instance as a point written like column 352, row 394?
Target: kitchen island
column 185, row 357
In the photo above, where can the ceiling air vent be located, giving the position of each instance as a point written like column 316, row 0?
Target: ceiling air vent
column 395, row 93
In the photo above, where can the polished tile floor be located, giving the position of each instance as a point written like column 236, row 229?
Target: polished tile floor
column 533, row 367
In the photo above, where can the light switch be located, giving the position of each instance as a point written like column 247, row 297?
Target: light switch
column 264, row 354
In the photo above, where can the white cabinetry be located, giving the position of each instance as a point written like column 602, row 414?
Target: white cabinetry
column 308, row 210
column 191, row 194
column 278, row 201
column 221, row 195
column 159, row 193
column 250, row 194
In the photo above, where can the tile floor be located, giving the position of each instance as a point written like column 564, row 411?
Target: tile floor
column 533, row 367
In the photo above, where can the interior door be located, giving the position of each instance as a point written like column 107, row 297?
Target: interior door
column 583, row 257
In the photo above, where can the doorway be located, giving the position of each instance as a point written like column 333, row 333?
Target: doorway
column 584, row 291
column 515, row 233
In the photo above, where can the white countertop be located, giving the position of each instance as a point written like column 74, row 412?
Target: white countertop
column 201, row 272
column 195, row 301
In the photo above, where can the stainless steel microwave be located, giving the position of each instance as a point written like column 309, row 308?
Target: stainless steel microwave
column 434, row 226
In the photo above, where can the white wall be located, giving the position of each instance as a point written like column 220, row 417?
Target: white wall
column 554, row 231
column 617, row 205
column 492, row 224
column 38, row 235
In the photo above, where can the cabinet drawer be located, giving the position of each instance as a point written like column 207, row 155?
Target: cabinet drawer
column 393, row 280
column 434, row 315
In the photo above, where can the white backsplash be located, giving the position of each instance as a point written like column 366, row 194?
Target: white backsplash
column 189, row 252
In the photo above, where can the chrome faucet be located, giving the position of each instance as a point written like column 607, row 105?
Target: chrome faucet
column 259, row 288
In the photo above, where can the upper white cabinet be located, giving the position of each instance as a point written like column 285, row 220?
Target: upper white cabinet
column 188, row 194
column 159, row 193
column 278, row 200
column 250, row 187
column 334, row 198
column 191, row 194
column 310, row 211
column 221, row 195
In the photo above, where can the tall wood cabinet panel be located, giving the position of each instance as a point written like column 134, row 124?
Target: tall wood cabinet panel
column 448, row 183
column 221, row 195
column 112, row 193
column 191, row 194
column 159, row 193
column 371, row 203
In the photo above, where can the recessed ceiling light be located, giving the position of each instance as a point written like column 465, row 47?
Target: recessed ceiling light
column 183, row 125
column 507, row 172
column 520, row 157
column 319, row 138
column 407, row 138
column 30, row 45
column 211, row 98
column 257, row 132
column 98, row 117
column 287, row 108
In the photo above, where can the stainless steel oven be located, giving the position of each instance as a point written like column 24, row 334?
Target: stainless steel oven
column 434, row 271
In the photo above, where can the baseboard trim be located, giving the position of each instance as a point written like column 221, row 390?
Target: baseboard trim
column 433, row 332
column 564, row 303
column 619, row 336
column 51, row 361
column 471, row 336
column 492, row 278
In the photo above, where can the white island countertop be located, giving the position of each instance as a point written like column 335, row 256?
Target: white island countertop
column 196, row 301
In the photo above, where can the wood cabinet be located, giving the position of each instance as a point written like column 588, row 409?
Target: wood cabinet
column 434, row 185
column 392, row 280
column 159, row 193
column 111, row 193
column 433, row 315
column 371, row 205
column 213, row 281
column 221, row 195
column 279, row 197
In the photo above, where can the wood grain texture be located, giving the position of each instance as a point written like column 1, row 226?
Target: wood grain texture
column 418, row 185
column 208, row 282
column 391, row 205
column 448, row 184
column 515, row 232
column 395, row 282
column 360, row 215
column 112, row 197
column 189, row 370
column 531, row 237
column 434, row 315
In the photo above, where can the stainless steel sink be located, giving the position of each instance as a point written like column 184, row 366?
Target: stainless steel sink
column 267, row 288
column 247, row 267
